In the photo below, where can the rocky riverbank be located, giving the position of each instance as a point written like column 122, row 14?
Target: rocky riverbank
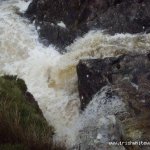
column 60, row 22
column 128, row 76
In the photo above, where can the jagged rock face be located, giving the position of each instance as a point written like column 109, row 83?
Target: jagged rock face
column 79, row 16
column 48, row 13
column 92, row 77
column 128, row 75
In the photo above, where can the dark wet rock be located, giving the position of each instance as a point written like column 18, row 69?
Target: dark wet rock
column 80, row 16
column 55, row 34
column 128, row 75
column 127, row 71
column 136, row 129
column 48, row 13
column 92, row 76
column 127, row 17
column 91, row 138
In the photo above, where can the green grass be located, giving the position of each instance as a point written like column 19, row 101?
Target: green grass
column 22, row 125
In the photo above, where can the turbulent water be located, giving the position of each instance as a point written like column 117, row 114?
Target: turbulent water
column 50, row 76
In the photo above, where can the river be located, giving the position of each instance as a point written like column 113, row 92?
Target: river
column 51, row 76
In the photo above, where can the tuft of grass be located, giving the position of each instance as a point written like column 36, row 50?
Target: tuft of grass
column 13, row 147
column 22, row 125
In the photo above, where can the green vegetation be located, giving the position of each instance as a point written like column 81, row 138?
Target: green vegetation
column 22, row 125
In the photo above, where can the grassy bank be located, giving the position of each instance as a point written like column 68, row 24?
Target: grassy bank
column 22, row 125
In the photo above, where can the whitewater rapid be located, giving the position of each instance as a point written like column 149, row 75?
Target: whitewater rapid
column 50, row 76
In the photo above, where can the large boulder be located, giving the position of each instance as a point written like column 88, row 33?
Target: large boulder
column 128, row 76
column 80, row 16
column 92, row 76
column 126, row 72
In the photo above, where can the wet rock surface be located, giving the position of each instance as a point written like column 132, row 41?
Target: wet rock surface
column 80, row 16
column 92, row 76
column 101, row 127
column 128, row 75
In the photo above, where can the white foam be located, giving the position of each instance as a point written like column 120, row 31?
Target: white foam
column 61, row 24
column 23, row 5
